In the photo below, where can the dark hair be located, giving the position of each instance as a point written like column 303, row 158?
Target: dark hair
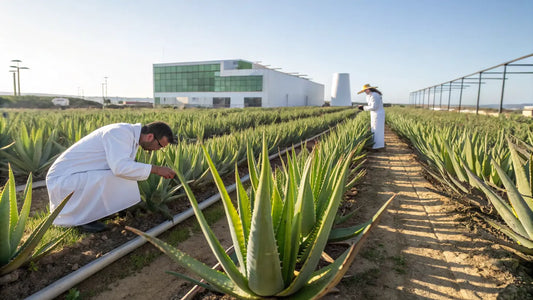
column 159, row 130
column 375, row 91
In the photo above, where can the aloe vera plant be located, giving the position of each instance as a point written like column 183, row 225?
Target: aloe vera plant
column 33, row 152
column 13, row 254
column 517, row 212
column 156, row 191
column 277, row 231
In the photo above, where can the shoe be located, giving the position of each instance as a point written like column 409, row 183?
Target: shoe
column 93, row 227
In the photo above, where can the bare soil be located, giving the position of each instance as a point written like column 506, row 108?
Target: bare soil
column 425, row 247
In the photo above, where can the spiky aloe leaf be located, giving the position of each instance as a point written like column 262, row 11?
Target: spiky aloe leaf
column 305, row 202
column 196, row 282
column 217, row 279
column 225, row 261
column 18, row 230
column 528, row 243
column 322, row 229
column 244, row 206
column 234, row 221
column 6, row 210
column 44, row 249
column 341, row 234
column 289, row 231
column 504, row 209
column 459, row 171
column 252, row 168
column 519, row 204
column 263, row 263
column 522, row 181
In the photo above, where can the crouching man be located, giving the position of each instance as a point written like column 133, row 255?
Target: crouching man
column 102, row 171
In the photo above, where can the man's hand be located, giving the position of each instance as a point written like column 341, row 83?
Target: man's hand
column 163, row 172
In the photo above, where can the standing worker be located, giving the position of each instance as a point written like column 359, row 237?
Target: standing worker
column 102, row 172
column 377, row 114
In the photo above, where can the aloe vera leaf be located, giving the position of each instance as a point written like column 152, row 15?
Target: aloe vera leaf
column 341, row 234
column 5, row 231
column 227, row 264
column 323, row 229
column 196, row 282
column 291, row 229
column 522, row 181
column 18, row 230
column 505, row 211
column 521, row 240
column 43, row 250
column 305, row 202
column 521, row 209
column 244, row 207
column 263, row 263
column 234, row 221
column 219, row 280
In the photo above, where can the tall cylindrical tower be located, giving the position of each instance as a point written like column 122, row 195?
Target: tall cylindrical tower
column 340, row 90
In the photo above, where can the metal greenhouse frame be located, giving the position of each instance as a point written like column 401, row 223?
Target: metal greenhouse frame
column 418, row 98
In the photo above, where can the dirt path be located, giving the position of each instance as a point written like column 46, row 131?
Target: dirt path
column 421, row 249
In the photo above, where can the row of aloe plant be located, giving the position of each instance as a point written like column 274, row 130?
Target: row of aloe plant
column 281, row 227
column 226, row 152
column 32, row 140
column 187, row 123
column 461, row 159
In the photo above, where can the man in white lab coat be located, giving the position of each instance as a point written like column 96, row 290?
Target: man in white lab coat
column 377, row 114
column 102, row 172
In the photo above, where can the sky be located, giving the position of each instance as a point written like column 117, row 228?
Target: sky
column 70, row 47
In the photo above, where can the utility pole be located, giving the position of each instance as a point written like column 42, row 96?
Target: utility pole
column 105, row 86
column 18, row 71
column 103, row 94
column 14, row 82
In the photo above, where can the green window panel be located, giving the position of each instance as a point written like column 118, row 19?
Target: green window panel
column 243, row 65
column 205, row 77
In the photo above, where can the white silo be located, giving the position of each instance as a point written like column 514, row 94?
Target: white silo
column 340, row 90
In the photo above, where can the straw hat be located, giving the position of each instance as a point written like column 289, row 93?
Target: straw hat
column 366, row 87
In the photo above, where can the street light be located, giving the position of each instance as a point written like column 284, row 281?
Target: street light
column 18, row 71
column 14, row 82
column 105, row 87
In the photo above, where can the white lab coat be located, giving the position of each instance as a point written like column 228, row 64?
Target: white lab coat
column 377, row 118
column 102, row 171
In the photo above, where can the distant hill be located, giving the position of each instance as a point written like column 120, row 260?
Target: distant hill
column 27, row 101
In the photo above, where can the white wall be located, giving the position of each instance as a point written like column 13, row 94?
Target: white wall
column 286, row 90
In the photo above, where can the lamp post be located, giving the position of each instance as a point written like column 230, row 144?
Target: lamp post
column 105, row 87
column 14, row 82
column 18, row 71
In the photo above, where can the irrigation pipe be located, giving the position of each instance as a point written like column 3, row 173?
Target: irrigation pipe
column 65, row 283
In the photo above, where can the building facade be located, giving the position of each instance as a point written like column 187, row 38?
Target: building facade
column 231, row 83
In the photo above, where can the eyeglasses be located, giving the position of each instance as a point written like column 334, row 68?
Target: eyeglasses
column 158, row 142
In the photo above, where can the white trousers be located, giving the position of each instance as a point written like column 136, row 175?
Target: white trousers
column 377, row 126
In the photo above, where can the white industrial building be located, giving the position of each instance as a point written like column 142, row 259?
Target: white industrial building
column 231, row 83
